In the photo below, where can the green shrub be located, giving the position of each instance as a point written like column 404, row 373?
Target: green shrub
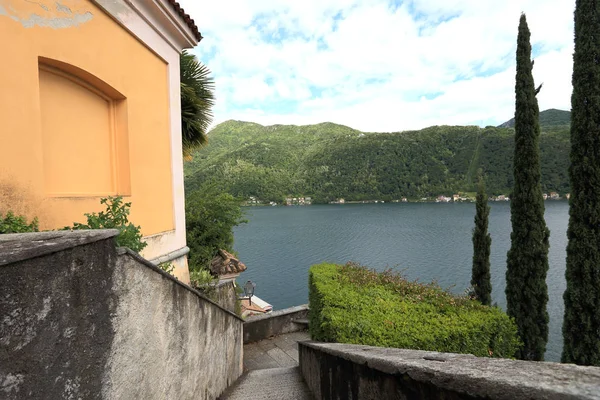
column 115, row 217
column 167, row 267
column 352, row 304
column 201, row 277
column 12, row 223
column 203, row 281
column 210, row 215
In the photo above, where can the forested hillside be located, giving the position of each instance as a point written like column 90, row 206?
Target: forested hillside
column 328, row 161
column 548, row 118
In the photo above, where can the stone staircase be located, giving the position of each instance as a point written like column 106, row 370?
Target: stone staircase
column 270, row 384
column 272, row 370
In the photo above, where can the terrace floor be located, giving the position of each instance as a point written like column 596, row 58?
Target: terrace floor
column 276, row 352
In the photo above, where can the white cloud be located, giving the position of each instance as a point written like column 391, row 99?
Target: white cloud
column 379, row 66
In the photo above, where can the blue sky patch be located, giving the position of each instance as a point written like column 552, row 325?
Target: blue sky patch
column 431, row 96
column 339, row 16
column 281, row 43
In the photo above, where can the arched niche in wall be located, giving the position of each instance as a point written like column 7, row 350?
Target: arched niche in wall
column 84, row 133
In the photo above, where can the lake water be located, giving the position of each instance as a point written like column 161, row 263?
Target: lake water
column 428, row 241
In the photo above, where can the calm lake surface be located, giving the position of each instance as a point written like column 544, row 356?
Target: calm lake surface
column 427, row 241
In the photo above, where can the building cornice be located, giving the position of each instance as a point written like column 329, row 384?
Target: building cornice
column 160, row 15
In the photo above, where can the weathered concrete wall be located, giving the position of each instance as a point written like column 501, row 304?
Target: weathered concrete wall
column 55, row 314
column 342, row 371
column 226, row 296
column 261, row 327
column 81, row 319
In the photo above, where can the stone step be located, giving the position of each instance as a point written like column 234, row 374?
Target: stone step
column 269, row 384
column 300, row 321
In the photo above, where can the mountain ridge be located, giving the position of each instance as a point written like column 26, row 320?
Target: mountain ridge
column 548, row 118
column 328, row 161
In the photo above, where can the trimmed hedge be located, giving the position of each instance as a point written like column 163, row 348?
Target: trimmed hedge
column 352, row 304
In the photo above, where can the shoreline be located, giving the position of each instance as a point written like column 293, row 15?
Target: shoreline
column 433, row 201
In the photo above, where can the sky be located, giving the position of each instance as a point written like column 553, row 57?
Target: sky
column 379, row 65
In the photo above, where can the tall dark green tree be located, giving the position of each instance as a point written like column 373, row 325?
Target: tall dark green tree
column 581, row 327
column 480, row 276
column 197, row 100
column 527, row 265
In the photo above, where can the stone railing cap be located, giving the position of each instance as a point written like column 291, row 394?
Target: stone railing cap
column 494, row 378
column 15, row 247
column 278, row 313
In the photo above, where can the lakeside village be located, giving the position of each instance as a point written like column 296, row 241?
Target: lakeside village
column 456, row 198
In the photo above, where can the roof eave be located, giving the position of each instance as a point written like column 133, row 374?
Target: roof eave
column 189, row 34
column 160, row 15
column 184, row 34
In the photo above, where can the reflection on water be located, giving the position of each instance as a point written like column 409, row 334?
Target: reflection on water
column 425, row 241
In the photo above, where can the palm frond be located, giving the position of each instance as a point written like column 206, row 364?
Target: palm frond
column 197, row 100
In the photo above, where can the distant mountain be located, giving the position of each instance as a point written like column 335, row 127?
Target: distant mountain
column 329, row 161
column 548, row 118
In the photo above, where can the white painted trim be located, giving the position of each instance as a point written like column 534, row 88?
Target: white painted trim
column 166, row 36
column 158, row 15
column 183, row 28
column 170, row 256
column 168, row 25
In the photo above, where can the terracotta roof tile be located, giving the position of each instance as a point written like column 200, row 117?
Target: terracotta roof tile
column 188, row 20
column 225, row 263
column 245, row 303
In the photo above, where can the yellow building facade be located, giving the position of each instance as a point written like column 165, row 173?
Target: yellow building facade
column 90, row 108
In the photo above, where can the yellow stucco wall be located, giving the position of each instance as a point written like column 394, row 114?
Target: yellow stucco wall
column 72, row 50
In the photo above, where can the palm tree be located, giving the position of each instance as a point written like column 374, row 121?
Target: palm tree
column 197, row 100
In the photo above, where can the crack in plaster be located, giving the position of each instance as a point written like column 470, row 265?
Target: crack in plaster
column 39, row 4
column 62, row 8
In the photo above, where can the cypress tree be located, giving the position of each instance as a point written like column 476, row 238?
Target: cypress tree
column 581, row 327
column 527, row 265
column 480, row 276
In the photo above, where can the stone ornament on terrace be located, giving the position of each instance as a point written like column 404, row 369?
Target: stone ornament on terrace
column 226, row 266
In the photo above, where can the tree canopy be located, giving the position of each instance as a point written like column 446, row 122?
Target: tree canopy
column 482, row 241
column 527, row 264
column 210, row 216
column 581, row 327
